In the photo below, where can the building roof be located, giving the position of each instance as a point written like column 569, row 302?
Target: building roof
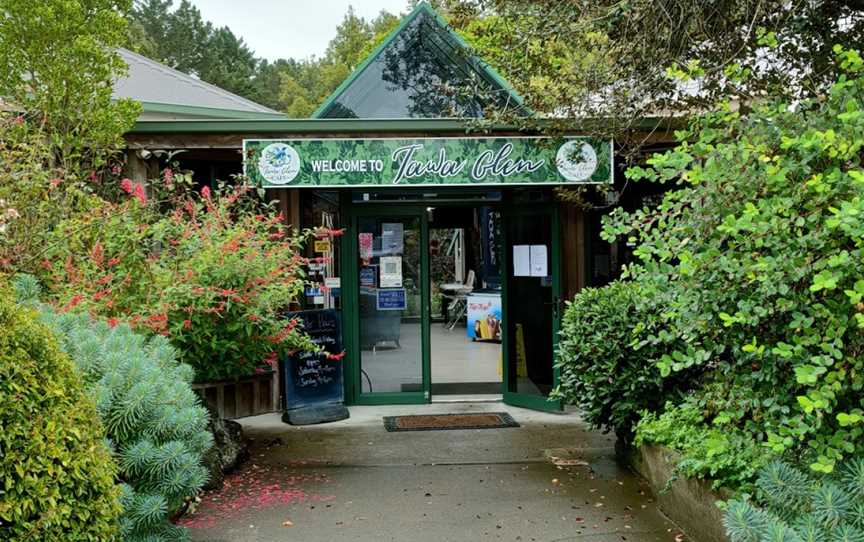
column 423, row 69
column 168, row 94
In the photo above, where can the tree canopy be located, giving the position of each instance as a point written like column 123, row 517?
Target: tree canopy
column 626, row 60
column 59, row 66
column 181, row 38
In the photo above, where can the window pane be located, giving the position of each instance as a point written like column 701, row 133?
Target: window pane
column 389, row 284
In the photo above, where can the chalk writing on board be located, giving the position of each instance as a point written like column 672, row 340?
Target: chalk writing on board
column 314, row 378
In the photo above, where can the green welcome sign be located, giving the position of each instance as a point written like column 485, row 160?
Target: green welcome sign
column 445, row 161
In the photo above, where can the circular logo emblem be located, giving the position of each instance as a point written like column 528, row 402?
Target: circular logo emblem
column 576, row 160
column 279, row 163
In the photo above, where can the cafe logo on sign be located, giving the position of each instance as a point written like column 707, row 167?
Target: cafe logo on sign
column 576, row 161
column 279, row 163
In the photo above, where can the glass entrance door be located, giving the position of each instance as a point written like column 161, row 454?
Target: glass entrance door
column 390, row 338
column 531, row 304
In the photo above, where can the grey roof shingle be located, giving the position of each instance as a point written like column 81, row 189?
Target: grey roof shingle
column 151, row 81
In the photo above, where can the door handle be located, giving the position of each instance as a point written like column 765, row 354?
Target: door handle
column 556, row 306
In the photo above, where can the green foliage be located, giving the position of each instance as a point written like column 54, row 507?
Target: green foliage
column 755, row 261
column 801, row 509
column 157, row 428
column 59, row 65
column 213, row 277
column 56, row 474
column 727, row 456
column 35, row 195
column 603, row 365
column 622, row 62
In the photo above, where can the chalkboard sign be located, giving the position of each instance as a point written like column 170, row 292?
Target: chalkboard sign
column 312, row 381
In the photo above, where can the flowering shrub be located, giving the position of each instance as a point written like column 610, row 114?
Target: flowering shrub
column 215, row 282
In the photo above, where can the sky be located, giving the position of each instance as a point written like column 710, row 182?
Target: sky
column 289, row 28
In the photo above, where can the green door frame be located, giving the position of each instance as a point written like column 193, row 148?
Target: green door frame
column 525, row 400
column 350, row 290
column 350, row 308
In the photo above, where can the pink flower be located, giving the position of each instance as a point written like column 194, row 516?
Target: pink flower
column 187, row 324
column 168, row 175
column 126, row 185
column 139, row 193
column 205, row 192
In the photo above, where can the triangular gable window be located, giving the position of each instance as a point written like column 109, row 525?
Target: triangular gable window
column 422, row 70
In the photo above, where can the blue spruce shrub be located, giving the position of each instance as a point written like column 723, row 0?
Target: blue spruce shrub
column 156, row 426
column 798, row 508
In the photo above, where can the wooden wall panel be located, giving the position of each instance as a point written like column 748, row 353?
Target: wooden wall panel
column 572, row 250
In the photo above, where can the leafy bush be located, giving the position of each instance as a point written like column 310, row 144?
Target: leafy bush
column 727, row 457
column 154, row 421
column 800, row 509
column 213, row 279
column 56, row 475
column 604, row 368
column 755, row 261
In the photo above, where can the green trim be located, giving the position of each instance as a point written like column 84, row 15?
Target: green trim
column 302, row 126
column 350, row 307
column 423, row 7
column 209, row 112
column 367, row 61
column 347, row 268
column 425, row 304
column 360, row 126
column 391, row 398
column 534, row 402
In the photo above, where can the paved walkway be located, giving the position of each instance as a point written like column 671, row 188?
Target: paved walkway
column 552, row 479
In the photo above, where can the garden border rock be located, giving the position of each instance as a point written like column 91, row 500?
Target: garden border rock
column 688, row 502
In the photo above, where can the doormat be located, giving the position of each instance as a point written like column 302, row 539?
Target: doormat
column 440, row 422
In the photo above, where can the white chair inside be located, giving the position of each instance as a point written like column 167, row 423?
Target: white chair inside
column 458, row 298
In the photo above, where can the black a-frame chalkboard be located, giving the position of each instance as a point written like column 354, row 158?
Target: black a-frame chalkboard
column 313, row 381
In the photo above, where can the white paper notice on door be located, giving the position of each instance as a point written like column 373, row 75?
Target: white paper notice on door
column 391, row 272
column 521, row 260
column 539, row 261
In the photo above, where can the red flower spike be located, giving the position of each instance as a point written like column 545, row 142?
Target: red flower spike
column 140, row 194
column 336, row 357
column 127, row 186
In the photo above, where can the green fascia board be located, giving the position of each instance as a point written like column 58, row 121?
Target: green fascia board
column 357, row 126
column 305, row 126
column 208, row 112
column 422, row 7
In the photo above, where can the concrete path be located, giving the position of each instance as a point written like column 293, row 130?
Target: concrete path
column 552, row 479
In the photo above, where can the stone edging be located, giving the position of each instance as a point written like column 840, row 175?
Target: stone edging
column 687, row 502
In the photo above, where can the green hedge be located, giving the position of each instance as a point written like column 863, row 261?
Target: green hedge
column 605, row 369
column 56, row 474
